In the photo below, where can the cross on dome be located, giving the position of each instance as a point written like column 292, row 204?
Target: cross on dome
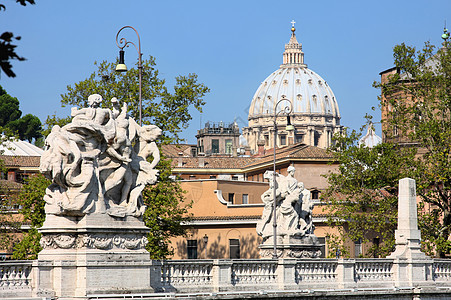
column 292, row 23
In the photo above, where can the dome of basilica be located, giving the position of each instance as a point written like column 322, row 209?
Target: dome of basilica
column 314, row 108
column 308, row 92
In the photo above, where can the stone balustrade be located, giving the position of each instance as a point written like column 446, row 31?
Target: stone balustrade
column 188, row 276
column 442, row 270
column 15, row 278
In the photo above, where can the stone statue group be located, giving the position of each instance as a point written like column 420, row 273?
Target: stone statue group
column 98, row 162
column 293, row 208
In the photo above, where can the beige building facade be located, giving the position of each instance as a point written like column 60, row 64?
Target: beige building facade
column 226, row 192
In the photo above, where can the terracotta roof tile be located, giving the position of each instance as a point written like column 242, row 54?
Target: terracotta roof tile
column 297, row 151
column 12, row 185
column 209, row 218
column 20, row 161
column 173, row 150
column 213, row 162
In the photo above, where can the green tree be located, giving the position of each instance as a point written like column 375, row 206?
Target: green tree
column 53, row 120
column 165, row 213
column 419, row 100
column 169, row 111
column 417, row 131
column 362, row 193
column 165, row 208
column 9, row 220
column 28, row 127
column 7, row 48
column 9, row 108
column 32, row 208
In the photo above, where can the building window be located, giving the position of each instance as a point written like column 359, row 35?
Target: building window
column 212, row 176
column 231, row 196
column 234, row 246
column 234, row 177
column 298, row 138
column 228, row 146
column 215, row 146
column 192, row 249
column 283, row 140
column 358, row 247
column 266, row 140
column 315, row 194
column 245, row 198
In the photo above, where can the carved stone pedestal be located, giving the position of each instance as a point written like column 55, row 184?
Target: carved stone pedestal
column 94, row 254
column 292, row 247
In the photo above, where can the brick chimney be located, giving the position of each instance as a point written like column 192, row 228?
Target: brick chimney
column 180, row 159
column 247, row 150
column 201, row 160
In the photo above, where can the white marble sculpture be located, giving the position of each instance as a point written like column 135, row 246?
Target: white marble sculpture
column 97, row 163
column 293, row 208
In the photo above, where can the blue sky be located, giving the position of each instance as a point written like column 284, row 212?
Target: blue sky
column 232, row 46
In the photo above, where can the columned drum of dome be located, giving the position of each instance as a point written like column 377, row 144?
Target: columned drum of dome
column 315, row 113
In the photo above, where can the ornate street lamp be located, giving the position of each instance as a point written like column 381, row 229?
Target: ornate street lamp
column 287, row 110
column 121, row 67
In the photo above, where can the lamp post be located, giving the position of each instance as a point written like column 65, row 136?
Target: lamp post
column 121, row 67
column 289, row 127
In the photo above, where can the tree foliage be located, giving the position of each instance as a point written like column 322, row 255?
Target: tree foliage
column 362, row 194
column 9, row 108
column 417, row 130
column 419, row 98
column 165, row 213
column 168, row 110
column 32, row 208
column 27, row 127
column 9, row 220
column 7, row 48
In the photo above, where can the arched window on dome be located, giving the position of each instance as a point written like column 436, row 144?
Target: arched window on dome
column 298, row 81
column 326, row 101
column 315, row 102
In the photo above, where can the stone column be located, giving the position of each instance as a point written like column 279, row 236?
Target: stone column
column 286, row 274
column 411, row 267
column 346, row 273
column 222, row 275
column 408, row 236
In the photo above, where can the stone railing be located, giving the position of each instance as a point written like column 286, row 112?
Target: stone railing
column 290, row 274
column 441, row 270
column 308, row 270
column 15, row 278
column 186, row 274
column 212, row 276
